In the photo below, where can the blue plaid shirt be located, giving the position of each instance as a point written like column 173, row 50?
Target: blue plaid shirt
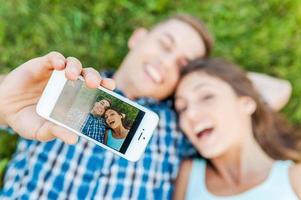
column 94, row 127
column 55, row 170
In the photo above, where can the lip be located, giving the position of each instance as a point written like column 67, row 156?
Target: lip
column 154, row 73
column 204, row 133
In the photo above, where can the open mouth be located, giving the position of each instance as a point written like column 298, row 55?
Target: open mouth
column 154, row 73
column 204, row 132
column 111, row 123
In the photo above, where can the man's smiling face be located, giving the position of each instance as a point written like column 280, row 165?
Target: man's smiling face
column 100, row 107
column 156, row 58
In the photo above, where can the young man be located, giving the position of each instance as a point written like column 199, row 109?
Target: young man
column 148, row 74
column 95, row 125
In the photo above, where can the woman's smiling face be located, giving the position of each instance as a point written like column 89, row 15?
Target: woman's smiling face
column 113, row 118
column 212, row 116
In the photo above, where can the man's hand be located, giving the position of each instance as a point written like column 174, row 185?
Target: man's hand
column 276, row 92
column 1, row 78
column 21, row 89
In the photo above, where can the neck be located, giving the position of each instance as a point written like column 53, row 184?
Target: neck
column 124, row 84
column 241, row 162
column 94, row 114
column 121, row 131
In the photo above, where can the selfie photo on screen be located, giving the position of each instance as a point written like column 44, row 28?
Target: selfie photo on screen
column 98, row 115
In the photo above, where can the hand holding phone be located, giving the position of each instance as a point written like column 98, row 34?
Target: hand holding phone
column 100, row 115
column 22, row 88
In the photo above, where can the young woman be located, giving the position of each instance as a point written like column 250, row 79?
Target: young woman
column 118, row 130
column 248, row 150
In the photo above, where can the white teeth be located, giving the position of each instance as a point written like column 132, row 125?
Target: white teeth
column 154, row 73
column 202, row 127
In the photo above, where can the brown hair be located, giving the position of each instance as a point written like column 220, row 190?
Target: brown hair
column 274, row 134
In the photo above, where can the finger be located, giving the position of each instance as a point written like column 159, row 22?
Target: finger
column 49, row 131
column 92, row 77
column 44, row 134
column 43, row 66
column 55, row 60
column 108, row 83
column 65, row 135
column 73, row 68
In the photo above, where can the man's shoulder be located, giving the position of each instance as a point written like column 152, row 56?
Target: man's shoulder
column 92, row 118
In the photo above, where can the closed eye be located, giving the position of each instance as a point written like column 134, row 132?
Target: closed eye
column 207, row 97
column 167, row 42
column 165, row 45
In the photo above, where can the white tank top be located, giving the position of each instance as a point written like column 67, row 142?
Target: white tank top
column 276, row 187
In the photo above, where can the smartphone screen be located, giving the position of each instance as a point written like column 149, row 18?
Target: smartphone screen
column 97, row 114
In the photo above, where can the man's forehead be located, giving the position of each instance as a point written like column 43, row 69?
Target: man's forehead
column 184, row 35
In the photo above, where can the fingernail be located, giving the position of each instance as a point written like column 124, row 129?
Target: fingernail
column 74, row 71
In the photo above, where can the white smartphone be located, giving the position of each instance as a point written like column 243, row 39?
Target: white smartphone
column 99, row 115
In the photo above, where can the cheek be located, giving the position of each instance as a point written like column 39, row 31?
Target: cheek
column 231, row 117
column 174, row 75
column 117, row 119
column 230, row 126
column 171, row 81
column 145, row 52
column 185, row 127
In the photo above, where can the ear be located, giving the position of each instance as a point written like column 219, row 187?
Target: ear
column 248, row 105
column 136, row 37
column 122, row 115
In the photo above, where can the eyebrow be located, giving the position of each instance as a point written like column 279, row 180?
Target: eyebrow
column 198, row 86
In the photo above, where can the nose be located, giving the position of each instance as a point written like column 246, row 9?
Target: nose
column 195, row 114
column 167, row 61
column 192, row 113
column 174, row 60
column 181, row 61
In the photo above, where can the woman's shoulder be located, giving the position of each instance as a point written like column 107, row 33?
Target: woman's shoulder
column 295, row 177
column 186, row 163
column 182, row 179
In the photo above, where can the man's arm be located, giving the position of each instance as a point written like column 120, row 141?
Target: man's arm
column 3, row 125
column 2, row 78
column 276, row 92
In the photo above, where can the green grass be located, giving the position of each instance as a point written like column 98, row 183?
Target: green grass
column 263, row 36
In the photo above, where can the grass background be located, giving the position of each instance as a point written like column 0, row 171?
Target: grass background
column 262, row 36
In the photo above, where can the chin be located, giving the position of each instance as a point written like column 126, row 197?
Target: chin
column 114, row 127
column 209, row 153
